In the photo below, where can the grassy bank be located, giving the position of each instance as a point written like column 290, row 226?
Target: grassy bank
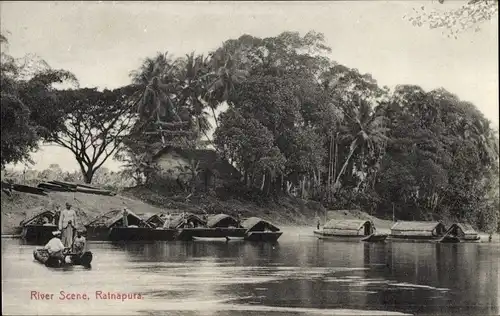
column 143, row 202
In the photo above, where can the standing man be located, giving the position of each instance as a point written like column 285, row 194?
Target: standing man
column 125, row 217
column 67, row 225
column 168, row 219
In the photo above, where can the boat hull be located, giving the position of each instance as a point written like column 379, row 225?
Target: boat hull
column 42, row 256
column 220, row 232
column 420, row 239
column 352, row 238
column 263, row 236
column 141, row 234
column 37, row 234
column 97, row 233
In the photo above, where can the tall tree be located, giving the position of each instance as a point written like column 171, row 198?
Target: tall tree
column 95, row 124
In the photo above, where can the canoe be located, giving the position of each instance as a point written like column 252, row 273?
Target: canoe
column 203, row 232
column 263, row 236
column 42, row 256
column 419, row 239
column 338, row 237
column 375, row 238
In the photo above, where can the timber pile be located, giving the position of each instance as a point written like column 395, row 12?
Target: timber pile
column 58, row 186
column 8, row 187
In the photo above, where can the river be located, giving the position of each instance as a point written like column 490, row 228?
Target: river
column 300, row 275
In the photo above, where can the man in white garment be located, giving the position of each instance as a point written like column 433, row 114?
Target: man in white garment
column 168, row 220
column 67, row 225
column 55, row 246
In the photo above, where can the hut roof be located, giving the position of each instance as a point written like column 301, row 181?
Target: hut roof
column 415, row 226
column 466, row 228
column 215, row 220
column 156, row 218
column 36, row 217
column 119, row 216
column 103, row 218
column 257, row 223
column 208, row 159
column 346, row 224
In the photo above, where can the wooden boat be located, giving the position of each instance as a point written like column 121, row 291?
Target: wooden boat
column 461, row 232
column 34, row 230
column 419, row 232
column 257, row 229
column 110, row 227
column 217, row 226
column 350, row 230
column 42, row 256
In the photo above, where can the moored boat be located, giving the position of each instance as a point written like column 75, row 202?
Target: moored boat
column 258, row 229
column 350, row 230
column 461, row 232
column 38, row 229
column 42, row 256
column 217, row 226
column 419, row 232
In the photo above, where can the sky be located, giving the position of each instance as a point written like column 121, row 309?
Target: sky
column 101, row 42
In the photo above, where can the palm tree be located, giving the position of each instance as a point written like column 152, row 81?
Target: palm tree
column 225, row 75
column 365, row 131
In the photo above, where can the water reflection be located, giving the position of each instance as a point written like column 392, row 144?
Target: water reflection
column 298, row 275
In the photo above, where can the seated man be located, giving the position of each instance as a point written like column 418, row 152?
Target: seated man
column 80, row 243
column 55, row 247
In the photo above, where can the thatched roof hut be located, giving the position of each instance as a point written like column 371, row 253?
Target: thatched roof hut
column 462, row 230
column 349, row 227
column 38, row 219
column 180, row 221
column 420, row 229
column 258, row 224
column 222, row 220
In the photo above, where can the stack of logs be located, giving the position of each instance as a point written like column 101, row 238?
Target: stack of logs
column 60, row 186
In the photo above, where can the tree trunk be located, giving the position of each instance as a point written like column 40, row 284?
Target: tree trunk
column 88, row 175
column 344, row 167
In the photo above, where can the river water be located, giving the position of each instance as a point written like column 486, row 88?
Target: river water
column 300, row 275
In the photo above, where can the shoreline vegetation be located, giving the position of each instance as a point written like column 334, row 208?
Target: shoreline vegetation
column 270, row 127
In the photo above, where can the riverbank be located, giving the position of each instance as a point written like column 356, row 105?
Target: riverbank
column 286, row 211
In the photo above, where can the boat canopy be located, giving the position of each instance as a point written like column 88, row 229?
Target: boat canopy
column 156, row 220
column 258, row 224
column 38, row 219
column 222, row 220
column 421, row 229
column 180, row 221
column 462, row 230
column 349, row 227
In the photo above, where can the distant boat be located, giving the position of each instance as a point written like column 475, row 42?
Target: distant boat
column 463, row 232
column 350, row 230
column 258, row 229
column 217, row 226
column 419, row 232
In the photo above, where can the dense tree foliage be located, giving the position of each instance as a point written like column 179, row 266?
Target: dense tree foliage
column 297, row 123
column 27, row 104
column 94, row 125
